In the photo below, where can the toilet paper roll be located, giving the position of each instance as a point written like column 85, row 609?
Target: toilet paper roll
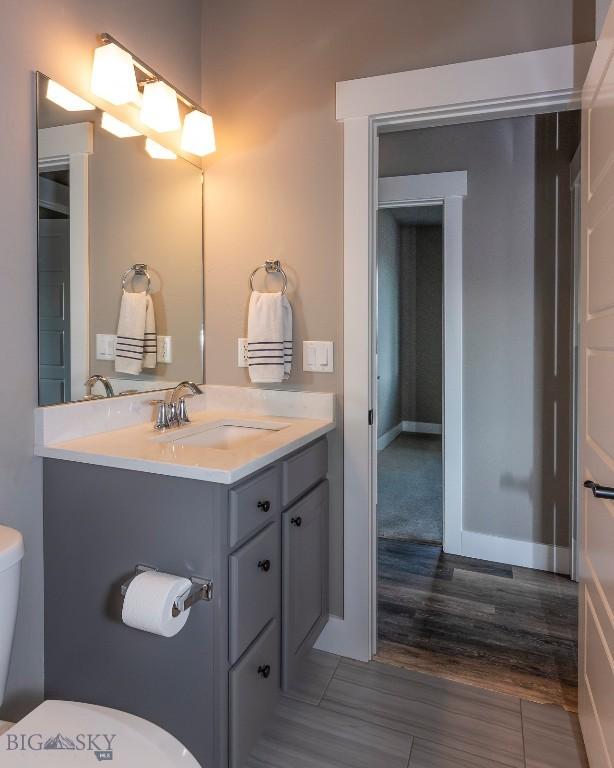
column 148, row 603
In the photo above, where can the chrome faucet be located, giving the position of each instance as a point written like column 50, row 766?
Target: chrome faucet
column 174, row 412
column 89, row 383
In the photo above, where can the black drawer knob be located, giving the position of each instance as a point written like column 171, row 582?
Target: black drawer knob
column 264, row 505
column 298, row 521
column 264, row 565
column 264, row 670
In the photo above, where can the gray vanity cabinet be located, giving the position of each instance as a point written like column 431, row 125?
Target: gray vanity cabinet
column 214, row 685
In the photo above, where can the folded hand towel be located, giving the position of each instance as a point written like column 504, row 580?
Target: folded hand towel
column 136, row 334
column 287, row 312
column 269, row 338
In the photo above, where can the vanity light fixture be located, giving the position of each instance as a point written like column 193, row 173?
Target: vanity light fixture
column 66, row 99
column 159, row 102
column 117, row 128
column 113, row 75
column 157, row 151
column 160, row 110
column 197, row 135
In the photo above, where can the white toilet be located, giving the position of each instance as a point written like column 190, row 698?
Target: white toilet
column 66, row 733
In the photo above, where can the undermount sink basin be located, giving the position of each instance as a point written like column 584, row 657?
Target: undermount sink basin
column 222, row 436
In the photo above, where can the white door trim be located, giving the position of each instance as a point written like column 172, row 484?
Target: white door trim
column 73, row 144
column 447, row 189
column 524, row 83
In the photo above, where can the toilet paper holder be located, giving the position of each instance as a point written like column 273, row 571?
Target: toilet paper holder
column 201, row 589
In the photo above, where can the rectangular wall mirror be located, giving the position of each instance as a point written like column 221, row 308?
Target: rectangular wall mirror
column 120, row 257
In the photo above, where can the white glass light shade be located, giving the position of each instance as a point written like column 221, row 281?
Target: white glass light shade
column 66, row 99
column 158, row 152
column 113, row 76
column 160, row 110
column 197, row 136
column 116, row 127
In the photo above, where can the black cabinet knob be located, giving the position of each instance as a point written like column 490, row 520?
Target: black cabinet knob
column 264, row 505
column 297, row 521
column 264, row 565
column 264, row 670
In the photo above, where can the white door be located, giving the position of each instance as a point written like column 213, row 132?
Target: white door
column 596, row 407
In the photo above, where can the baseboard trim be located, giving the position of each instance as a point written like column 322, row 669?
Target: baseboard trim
column 392, row 434
column 527, row 554
column 339, row 637
column 422, row 427
column 417, row 427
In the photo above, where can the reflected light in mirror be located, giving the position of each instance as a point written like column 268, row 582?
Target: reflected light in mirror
column 160, row 110
column 158, row 152
column 116, row 127
column 113, row 75
column 197, row 136
column 66, row 99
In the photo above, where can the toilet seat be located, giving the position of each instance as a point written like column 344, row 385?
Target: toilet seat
column 73, row 734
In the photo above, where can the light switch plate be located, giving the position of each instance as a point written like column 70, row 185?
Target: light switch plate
column 318, row 356
column 165, row 349
column 105, row 346
column 242, row 353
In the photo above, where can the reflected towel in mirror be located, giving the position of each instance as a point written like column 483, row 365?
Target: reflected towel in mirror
column 136, row 346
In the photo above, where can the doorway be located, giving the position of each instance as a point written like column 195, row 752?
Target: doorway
column 410, row 373
column 494, row 611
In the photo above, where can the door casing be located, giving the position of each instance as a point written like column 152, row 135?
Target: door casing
column 520, row 84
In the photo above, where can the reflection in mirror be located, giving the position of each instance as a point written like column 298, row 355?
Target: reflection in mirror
column 120, row 261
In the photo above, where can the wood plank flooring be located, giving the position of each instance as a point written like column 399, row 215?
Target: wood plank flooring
column 379, row 716
column 508, row 629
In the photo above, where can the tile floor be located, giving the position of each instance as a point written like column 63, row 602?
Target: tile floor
column 354, row 715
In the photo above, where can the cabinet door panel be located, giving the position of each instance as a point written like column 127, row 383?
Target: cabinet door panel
column 305, row 577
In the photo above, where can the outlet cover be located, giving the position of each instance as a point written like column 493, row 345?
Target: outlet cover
column 165, row 349
column 105, row 346
column 242, row 353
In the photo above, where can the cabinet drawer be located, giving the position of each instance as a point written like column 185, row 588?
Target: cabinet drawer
column 304, row 470
column 255, row 571
column 253, row 693
column 253, row 504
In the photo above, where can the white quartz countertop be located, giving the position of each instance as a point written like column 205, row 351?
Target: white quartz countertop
column 91, row 433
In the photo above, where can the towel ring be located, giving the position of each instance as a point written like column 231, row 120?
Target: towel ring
column 271, row 266
column 139, row 270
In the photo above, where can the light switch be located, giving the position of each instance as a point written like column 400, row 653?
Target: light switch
column 318, row 356
column 105, row 346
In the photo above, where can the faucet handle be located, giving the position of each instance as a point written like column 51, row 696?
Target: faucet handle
column 162, row 415
column 182, row 411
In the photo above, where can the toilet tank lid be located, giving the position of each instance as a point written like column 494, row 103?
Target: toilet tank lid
column 11, row 547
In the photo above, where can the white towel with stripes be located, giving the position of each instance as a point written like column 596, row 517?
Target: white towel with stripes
column 269, row 338
column 136, row 344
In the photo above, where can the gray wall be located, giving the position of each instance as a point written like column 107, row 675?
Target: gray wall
column 421, row 334
column 274, row 187
column 389, row 392
column 57, row 38
column 409, row 332
column 516, row 357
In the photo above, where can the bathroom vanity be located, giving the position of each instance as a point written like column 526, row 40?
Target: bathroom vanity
column 248, row 512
